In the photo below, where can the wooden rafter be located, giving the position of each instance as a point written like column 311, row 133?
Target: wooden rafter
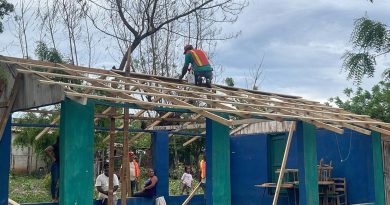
column 249, row 106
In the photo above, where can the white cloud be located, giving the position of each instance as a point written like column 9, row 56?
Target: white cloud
column 303, row 42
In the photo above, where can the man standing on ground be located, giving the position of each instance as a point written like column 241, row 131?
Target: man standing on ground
column 53, row 151
column 200, row 63
column 102, row 186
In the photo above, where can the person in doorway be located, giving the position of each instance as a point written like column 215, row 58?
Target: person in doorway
column 149, row 189
column 101, row 185
column 53, row 151
column 186, row 180
column 200, row 63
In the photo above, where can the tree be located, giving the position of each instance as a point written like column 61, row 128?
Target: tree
column 22, row 18
column 48, row 14
column 376, row 103
column 229, row 81
column 5, row 9
column 48, row 54
column 256, row 76
column 144, row 18
column 370, row 40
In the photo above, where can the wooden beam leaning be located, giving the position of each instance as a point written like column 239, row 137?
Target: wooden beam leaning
column 284, row 162
column 12, row 202
column 44, row 131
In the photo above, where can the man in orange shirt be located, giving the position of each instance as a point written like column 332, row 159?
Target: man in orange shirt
column 134, row 172
column 202, row 166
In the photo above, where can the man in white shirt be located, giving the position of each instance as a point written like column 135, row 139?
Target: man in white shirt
column 102, row 186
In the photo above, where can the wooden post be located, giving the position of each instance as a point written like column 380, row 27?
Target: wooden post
column 126, row 184
column 283, row 167
column 111, row 162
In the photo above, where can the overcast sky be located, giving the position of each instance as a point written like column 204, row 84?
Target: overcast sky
column 302, row 42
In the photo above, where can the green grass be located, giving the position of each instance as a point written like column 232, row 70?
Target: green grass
column 28, row 189
column 175, row 187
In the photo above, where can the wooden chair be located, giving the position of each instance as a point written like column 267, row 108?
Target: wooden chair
column 324, row 171
column 339, row 192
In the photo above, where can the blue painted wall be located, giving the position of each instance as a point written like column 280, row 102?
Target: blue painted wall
column 249, row 166
column 357, row 168
column 249, row 161
column 5, row 157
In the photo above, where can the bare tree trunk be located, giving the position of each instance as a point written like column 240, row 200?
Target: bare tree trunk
column 89, row 43
column 28, row 160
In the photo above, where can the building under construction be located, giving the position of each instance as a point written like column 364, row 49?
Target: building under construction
column 261, row 148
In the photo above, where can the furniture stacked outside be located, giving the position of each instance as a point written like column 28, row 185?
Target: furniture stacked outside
column 332, row 191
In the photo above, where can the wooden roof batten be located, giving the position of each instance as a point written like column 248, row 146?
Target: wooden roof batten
column 249, row 106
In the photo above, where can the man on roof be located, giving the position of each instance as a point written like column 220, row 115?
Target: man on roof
column 199, row 62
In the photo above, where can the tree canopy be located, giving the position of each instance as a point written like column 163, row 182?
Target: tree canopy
column 370, row 39
column 375, row 103
column 5, row 9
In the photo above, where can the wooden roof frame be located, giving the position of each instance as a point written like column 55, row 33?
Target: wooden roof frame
column 241, row 105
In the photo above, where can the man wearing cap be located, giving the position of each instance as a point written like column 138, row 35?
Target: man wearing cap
column 199, row 62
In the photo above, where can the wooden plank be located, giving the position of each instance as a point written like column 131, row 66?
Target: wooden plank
column 181, row 127
column 239, row 129
column 149, row 127
column 11, row 100
column 44, row 131
column 188, row 199
column 284, row 161
column 192, row 140
column 12, row 202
